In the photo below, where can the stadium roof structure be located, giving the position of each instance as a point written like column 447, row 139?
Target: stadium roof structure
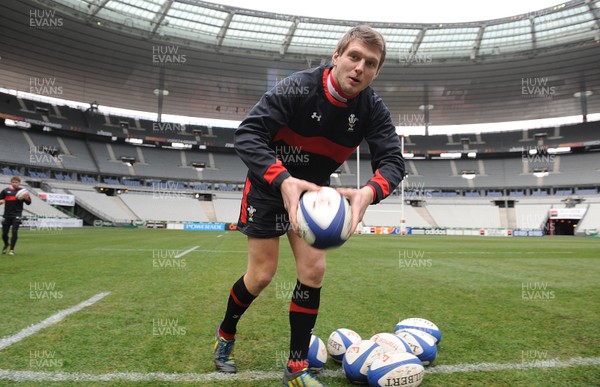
column 215, row 61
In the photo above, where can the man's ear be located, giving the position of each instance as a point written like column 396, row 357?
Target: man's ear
column 334, row 58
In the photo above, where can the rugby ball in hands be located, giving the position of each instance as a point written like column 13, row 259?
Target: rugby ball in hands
column 324, row 218
column 21, row 194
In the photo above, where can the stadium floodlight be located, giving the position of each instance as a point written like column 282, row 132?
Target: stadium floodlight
column 560, row 149
column 583, row 94
column 158, row 92
column 199, row 166
column 106, row 191
column 134, row 141
column 469, row 175
column 451, row 155
column 180, row 145
column 540, row 172
column 16, row 123
column 128, row 160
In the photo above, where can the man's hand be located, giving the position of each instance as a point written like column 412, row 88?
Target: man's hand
column 1, row 202
column 291, row 189
column 359, row 200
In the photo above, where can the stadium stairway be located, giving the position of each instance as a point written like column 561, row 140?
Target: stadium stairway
column 508, row 217
column 209, row 211
column 424, row 213
column 125, row 208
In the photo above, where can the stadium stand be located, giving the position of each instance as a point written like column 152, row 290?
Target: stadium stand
column 225, row 167
column 532, row 215
column 592, row 217
column 460, row 214
column 104, row 207
column 87, row 150
column 389, row 213
column 78, row 157
column 164, row 206
column 227, row 206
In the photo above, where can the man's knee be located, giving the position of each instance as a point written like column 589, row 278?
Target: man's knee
column 256, row 282
column 312, row 275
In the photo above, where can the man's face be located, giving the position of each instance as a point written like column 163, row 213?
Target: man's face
column 356, row 68
column 15, row 183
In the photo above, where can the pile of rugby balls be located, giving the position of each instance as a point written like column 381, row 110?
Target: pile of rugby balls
column 386, row 359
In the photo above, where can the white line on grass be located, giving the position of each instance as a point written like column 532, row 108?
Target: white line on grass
column 7, row 341
column 49, row 376
column 497, row 252
column 197, row 251
column 187, row 251
column 546, row 363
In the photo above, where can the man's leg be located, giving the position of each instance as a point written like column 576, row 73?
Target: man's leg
column 15, row 233
column 6, row 223
column 262, row 265
column 304, row 305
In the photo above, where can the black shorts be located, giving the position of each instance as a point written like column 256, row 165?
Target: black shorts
column 262, row 214
column 14, row 221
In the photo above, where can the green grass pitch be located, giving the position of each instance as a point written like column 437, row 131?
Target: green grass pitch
column 496, row 300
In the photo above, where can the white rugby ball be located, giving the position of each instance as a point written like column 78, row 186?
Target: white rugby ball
column 358, row 358
column 396, row 369
column 422, row 325
column 339, row 341
column 422, row 344
column 324, row 218
column 317, row 353
column 391, row 342
column 21, row 194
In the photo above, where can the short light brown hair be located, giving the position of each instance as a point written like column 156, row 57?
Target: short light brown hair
column 365, row 34
column 17, row 178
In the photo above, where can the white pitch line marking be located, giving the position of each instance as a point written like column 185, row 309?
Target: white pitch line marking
column 198, row 251
column 482, row 367
column 7, row 341
column 41, row 376
column 185, row 252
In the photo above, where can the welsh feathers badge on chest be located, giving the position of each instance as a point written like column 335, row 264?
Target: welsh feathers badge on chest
column 352, row 120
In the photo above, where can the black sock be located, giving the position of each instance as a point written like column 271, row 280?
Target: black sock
column 304, row 308
column 239, row 300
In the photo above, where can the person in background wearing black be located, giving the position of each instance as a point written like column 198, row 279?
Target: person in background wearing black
column 13, row 210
